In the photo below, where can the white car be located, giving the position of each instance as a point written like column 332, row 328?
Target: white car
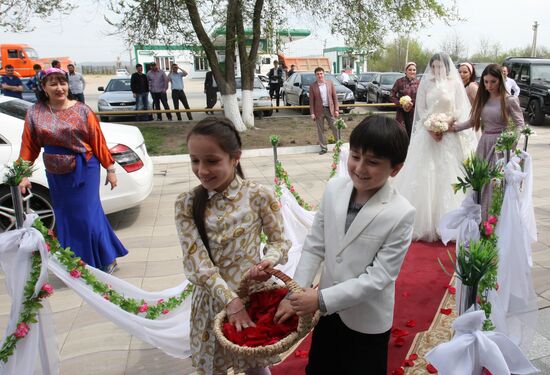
column 134, row 167
column 260, row 96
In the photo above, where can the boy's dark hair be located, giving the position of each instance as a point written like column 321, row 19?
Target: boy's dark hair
column 383, row 136
column 318, row 69
column 9, row 66
column 36, row 66
column 139, row 65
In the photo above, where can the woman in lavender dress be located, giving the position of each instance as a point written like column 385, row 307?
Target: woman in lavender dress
column 491, row 112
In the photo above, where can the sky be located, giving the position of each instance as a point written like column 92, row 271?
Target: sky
column 84, row 36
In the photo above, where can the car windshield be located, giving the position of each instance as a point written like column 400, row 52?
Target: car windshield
column 119, row 85
column 540, row 72
column 308, row 79
column 257, row 83
column 367, row 77
column 389, row 79
column 15, row 107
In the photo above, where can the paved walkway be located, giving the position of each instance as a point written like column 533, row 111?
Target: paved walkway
column 89, row 344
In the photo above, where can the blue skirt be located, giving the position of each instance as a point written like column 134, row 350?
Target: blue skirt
column 81, row 222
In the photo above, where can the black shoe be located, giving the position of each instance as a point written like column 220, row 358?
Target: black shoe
column 323, row 151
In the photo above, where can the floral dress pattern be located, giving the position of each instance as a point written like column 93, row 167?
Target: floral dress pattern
column 234, row 220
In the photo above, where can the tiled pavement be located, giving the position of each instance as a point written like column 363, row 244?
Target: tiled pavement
column 89, row 344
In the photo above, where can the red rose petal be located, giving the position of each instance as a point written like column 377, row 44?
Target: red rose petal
column 408, row 363
column 431, row 369
column 398, row 371
column 452, row 290
column 446, row 311
column 398, row 332
column 399, row 342
column 410, row 323
column 486, row 372
column 413, row 357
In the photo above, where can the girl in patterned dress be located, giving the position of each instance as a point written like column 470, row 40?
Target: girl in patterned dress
column 219, row 225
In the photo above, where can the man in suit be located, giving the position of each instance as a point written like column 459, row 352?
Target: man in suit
column 323, row 104
column 210, row 89
column 359, row 238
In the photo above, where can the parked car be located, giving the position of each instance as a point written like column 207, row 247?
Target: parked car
column 265, row 80
column 379, row 89
column 362, row 83
column 134, row 167
column 533, row 78
column 351, row 84
column 295, row 90
column 28, row 94
column 117, row 97
column 260, row 96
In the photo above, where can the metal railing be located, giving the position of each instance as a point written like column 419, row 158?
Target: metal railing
column 265, row 108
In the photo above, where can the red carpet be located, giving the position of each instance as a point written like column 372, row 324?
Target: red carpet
column 420, row 287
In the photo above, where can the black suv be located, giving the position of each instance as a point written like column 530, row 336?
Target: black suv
column 533, row 78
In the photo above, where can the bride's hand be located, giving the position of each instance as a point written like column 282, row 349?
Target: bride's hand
column 436, row 136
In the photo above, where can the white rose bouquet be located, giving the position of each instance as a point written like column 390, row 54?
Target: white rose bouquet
column 438, row 122
column 405, row 100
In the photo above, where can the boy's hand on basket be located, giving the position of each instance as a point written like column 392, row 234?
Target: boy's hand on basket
column 237, row 315
column 284, row 311
column 306, row 302
column 257, row 273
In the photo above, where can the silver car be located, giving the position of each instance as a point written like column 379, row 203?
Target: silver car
column 260, row 96
column 117, row 97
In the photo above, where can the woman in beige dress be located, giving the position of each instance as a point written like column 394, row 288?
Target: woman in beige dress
column 468, row 75
column 219, row 225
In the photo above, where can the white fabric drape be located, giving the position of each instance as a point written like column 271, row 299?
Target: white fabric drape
column 297, row 223
column 515, row 300
column 16, row 248
column 461, row 225
column 342, row 168
column 472, row 349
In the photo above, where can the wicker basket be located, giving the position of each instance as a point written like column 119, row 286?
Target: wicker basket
column 305, row 323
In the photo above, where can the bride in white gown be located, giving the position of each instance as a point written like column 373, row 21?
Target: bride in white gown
column 434, row 161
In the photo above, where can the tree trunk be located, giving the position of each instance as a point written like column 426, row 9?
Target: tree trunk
column 231, row 111
column 248, row 108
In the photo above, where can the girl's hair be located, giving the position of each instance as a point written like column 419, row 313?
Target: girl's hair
column 42, row 96
column 483, row 95
column 224, row 133
column 383, row 136
column 472, row 71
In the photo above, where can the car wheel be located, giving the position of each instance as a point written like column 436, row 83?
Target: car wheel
column 535, row 113
column 268, row 113
column 104, row 118
column 40, row 203
column 305, row 111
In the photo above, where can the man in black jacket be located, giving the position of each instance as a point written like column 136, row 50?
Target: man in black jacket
column 210, row 89
column 276, row 77
column 140, row 89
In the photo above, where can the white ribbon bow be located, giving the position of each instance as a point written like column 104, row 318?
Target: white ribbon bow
column 461, row 224
column 471, row 350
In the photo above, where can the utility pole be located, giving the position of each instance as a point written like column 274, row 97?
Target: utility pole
column 534, row 46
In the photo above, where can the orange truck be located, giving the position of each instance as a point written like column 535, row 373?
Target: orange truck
column 22, row 57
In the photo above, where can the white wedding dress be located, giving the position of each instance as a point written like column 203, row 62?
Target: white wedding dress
column 432, row 167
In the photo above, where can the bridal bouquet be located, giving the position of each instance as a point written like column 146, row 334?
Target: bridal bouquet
column 437, row 122
column 405, row 100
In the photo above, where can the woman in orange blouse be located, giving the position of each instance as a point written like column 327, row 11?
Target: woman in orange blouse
column 74, row 149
